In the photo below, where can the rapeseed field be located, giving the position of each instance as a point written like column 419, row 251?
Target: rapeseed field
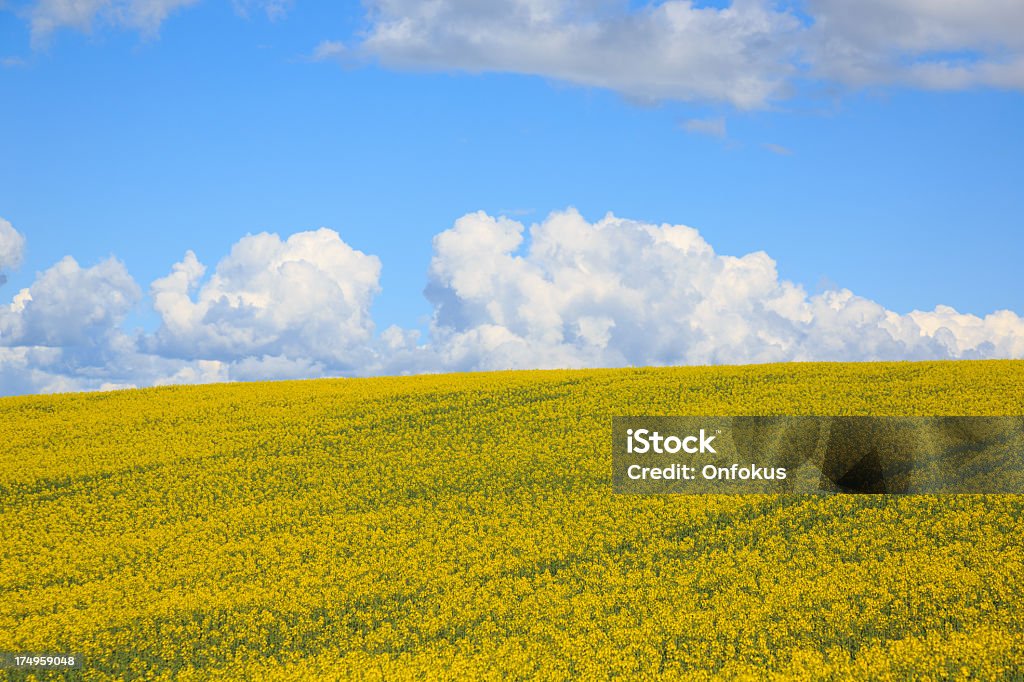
column 464, row 526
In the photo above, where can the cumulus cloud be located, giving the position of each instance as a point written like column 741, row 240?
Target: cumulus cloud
column 12, row 245
column 619, row 292
column 564, row 292
column 1000, row 334
column 69, row 305
column 271, row 309
column 24, row 370
column 305, row 297
column 64, row 332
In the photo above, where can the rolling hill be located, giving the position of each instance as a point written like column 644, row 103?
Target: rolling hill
column 464, row 525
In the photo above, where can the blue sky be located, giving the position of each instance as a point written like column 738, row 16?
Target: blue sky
column 144, row 143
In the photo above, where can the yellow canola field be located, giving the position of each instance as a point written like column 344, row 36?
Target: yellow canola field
column 463, row 525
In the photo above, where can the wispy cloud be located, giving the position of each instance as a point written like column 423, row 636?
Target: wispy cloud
column 274, row 10
column 777, row 149
column 329, row 50
column 715, row 127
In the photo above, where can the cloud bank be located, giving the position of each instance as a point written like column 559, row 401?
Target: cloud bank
column 747, row 53
column 619, row 292
column 563, row 293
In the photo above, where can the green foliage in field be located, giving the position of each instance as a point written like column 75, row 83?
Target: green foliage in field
column 464, row 525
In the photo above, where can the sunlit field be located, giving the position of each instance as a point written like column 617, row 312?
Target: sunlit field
column 464, row 526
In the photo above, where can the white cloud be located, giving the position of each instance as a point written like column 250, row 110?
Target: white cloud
column 564, row 293
column 143, row 15
column 24, row 370
column 198, row 372
column 12, row 246
column 1000, row 334
column 307, row 297
column 670, row 50
column 747, row 53
column 64, row 332
column 273, row 9
column 270, row 368
column 271, row 309
column 69, row 305
column 329, row 50
column 619, row 292
column 944, row 44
